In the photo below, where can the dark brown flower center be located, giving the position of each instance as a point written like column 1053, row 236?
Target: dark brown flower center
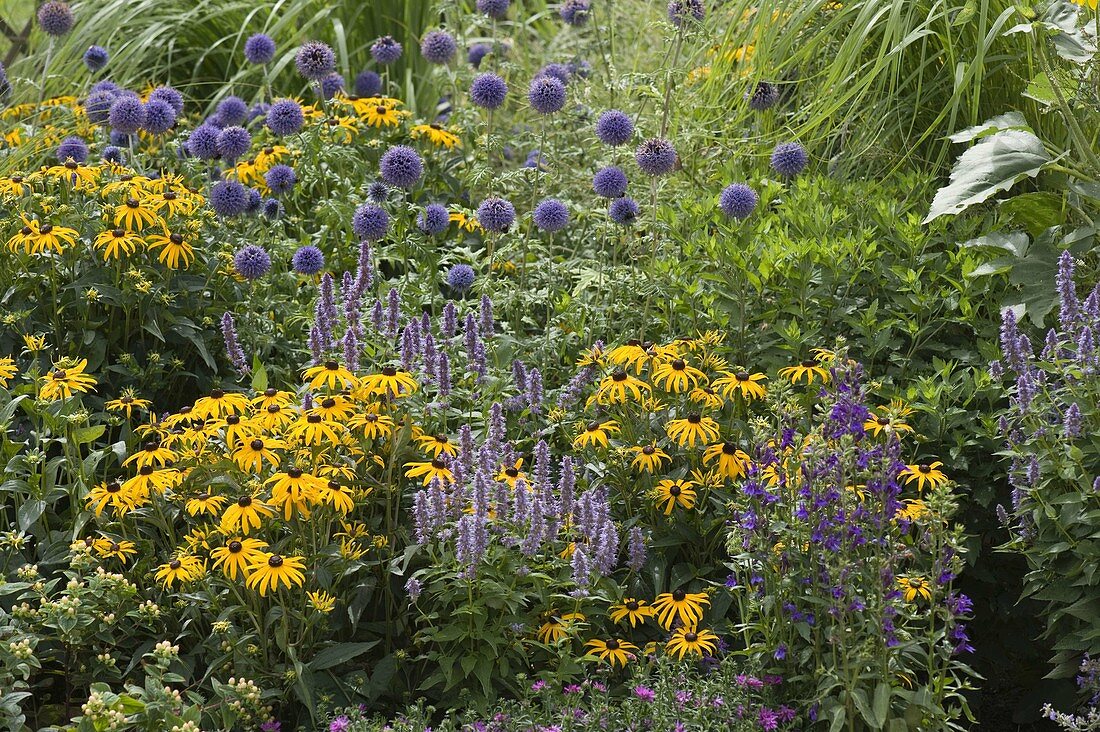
column 244, row 501
column 632, row 606
column 233, row 419
column 328, row 403
column 294, row 473
column 175, row 564
column 257, row 444
column 332, row 365
column 235, row 546
column 593, row 426
column 113, row 487
column 649, row 450
column 389, row 371
column 612, row 645
column 926, row 469
column 176, row 239
column 728, row 448
column 511, row 472
column 133, row 203
column 619, row 375
column 314, row 419
column 275, row 561
column 45, row 228
column 679, row 364
column 674, row 491
column 217, row 394
column 695, row 418
column 679, row 595
column 691, row 637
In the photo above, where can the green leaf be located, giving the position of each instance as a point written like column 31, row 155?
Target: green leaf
column 84, row 435
column 30, row 512
column 1007, row 121
column 339, row 653
column 259, row 374
column 881, row 705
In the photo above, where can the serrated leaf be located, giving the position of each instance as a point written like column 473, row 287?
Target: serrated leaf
column 1007, row 121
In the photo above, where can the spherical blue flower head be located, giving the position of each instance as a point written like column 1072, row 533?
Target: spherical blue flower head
column 401, row 166
column 551, row 215
column 272, row 209
column 169, row 95
column 96, row 57
column 106, row 85
column 259, row 49
column 285, row 117
column 609, row 182
column 546, row 95
column 580, row 68
column 496, row 214
column 72, row 147
column 534, row 160
column 280, row 179
column 232, row 111
column 370, row 222
column 575, row 12
column 332, row 85
column 488, row 90
column 55, row 18
column 159, row 116
column 477, row 53
column 681, row 10
column 433, row 220
column 560, row 72
column 738, row 201
column 789, row 159
column 460, row 277
column 368, row 84
column 252, row 262
column 119, row 139
column 113, row 154
column 257, row 110
column 494, row 8
column 229, row 198
column 378, row 191
column 255, row 201
column 308, row 260
column 315, row 60
column 234, row 142
column 623, row 211
column 203, row 142
column 127, row 115
column 763, row 96
column 656, row 156
column 385, row 50
column 614, row 128
column 438, row 46
column 98, row 106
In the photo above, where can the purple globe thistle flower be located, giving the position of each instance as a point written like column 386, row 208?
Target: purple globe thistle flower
column 551, row 215
column 106, row 85
column 203, row 142
column 127, row 115
column 763, row 96
column 255, row 201
column 96, row 57
column 438, row 46
column 368, row 84
column 378, row 192
column 159, row 116
column 546, row 94
column 308, row 260
column 257, row 110
column 98, row 106
column 272, row 209
column 580, row 68
column 433, row 220
column 385, row 50
column 460, row 277
column 496, row 214
column 534, row 160
column 623, row 211
column 170, row 96
column 789, row 159
column 560, row 72
column 609, row 182
column 285, row 117
column 477, row 54
column 656, row 156
column 280, row 178
column 259, row 49
column 370, row 222
column 315, row 60
column 614, row 128
column 738, row 201
column 229, row 198
column 575, row 12
column 233, row 143
column 113, row 154
column 681, row 10
column 332, row 85
column 72, row 147
column 252, row 262
column 495, row 9
column 488, row 91
column 55, row 18
column 401, row 166
column 119, row 138
column 232, row 111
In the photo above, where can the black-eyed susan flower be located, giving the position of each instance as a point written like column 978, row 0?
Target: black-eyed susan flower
column 295, row 491
column 741, row 382
column 809, row 368
column 680, row 606
column 382, row 113
column 219, row 403
column 62, row 381
column 110, row 494
column 35, row 342
column 914, row 588
column 330, row 374
column 340, row 497
column 427, row 470
column 321, row 601
column 36, row 237
column 618, row 387
column 341, row 128
column 149, row 480
column 153, row 452
column 134, row 213
column 272, row 396
column 116, row 243
column 205, row 503
column 694, row 428
column 612, row 650
column 632, row 610
column 274, row 417
column 924, row 473
column 173, row 249
column 676, row 375
column 511, row 473
column 630, row 355
column 689, row 639
column 8, row 370
column 313, row 431
column 372, row 425
column 392, row 382
column 14, row 186
column 237, row 555
column 706, row 397
column 673, row 493
column 245, row 514
column 127, row 403
column 890, row 420
column 912, row 509
column 233, row 429
column 121, row 550
column 556, row 626
column 435, row 444
column 437, row 135
column 596, row 432
column 269, row 571
column 732, row 461
column 648, row 458
column 334, row 408
column 184, row 568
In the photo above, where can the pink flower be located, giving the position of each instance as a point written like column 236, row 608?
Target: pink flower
column 644, row 693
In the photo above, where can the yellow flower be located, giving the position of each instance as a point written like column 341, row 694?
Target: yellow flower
column 685, row 607
column 464, row 222
column 295, row 491
column 237, row 555
column 511, row 473
column 35, row 343
column 620, row 386
column 629, row 355
column 890, row 420
column 807, row 370
column 391, row 382
column 748, row 385
column 912, row 509
column 695, row 428
column 648, row 458
column 268, row 571
column 62, row 382
column 707, row 397
column 435, row 468
column 689, row 639
column 337, row 496
column 183, row 569
column 435, row 444
column 36, row 237
column 8, row 370
column 245, row 514
column 672, row 493
column 555, row 627
column 732, row 462
column 153, row 452
column 636, row 611
column 150, row 480
column 437, row 134
column 596, row 433
column 14, row 186
column 372, row 425
column 250, row 456
column 914, row 588
column 314, row 431
column 120, row 550
column 110, row 494
column 135, row 213
column 174, row 249
column 381, row 113
column 127, row 403
column 342, row 128
column 677, row 376
column 334, row 408
column 209, row 503
column 924, row 473
column 321, row 601
column 613, row 651
column 332, row 375
column 219, row 403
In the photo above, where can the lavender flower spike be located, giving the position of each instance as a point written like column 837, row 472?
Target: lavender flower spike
column 232, row 345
